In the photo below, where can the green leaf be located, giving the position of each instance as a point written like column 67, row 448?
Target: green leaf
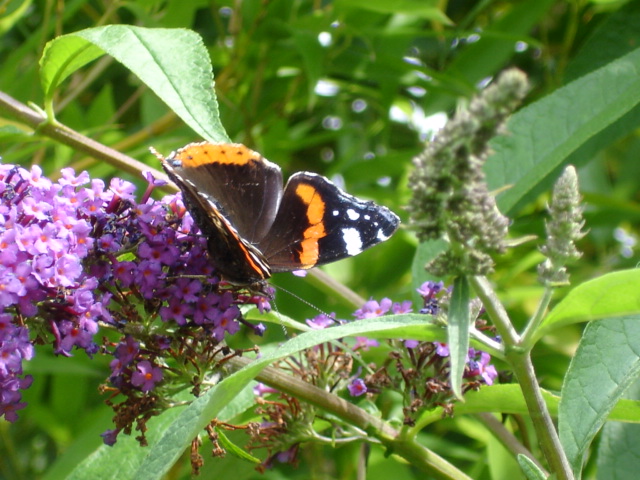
column 193, row 419
column 619, row 446
column 312, row 53
column 12, row 133
column 619, row 451
column 606, row 364
column 12, row 11
column 611, row 295
column 172, row 62
column 233, row 449
column 458, row 332
column 61, row 58
column 127, row 453
column 530, row 469
column 615, row 36
column 483, row 58
column 508, row 399
column 82, row 445
column 543, row 134
column 500, row 461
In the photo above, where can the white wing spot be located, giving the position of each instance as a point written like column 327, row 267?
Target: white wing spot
column 352, row 240
column 381, row 236
column 335, row 213
column 367, row 216
column 352, row 214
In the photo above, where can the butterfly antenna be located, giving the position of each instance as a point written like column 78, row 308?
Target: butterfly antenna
column 300, row 299
column 284, row 327
column 355, row 354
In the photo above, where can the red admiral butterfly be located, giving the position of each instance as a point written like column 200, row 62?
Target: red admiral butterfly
column 255, row 227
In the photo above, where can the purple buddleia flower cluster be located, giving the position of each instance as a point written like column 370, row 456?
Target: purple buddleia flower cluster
column 76, row 253
column 45, row 233
column 14, row 348
column 478, row 362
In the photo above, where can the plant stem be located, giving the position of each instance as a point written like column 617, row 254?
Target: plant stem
column 70, row 137
column 489, row 345
column 506, row 438
column 333, row 288
column 496, row 311
column 547, row 436
column 518, row 356
column 532, row 326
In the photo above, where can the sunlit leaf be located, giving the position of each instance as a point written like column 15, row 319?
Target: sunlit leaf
column 606, row 364
column 172, row 62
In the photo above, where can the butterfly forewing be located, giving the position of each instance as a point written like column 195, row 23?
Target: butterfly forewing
column 238, row 261
column 245, row 186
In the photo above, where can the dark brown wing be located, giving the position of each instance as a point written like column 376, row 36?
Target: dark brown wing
column 244, row 186
column 235, row 260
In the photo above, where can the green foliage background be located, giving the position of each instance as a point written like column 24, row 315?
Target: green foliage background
column 311, row 85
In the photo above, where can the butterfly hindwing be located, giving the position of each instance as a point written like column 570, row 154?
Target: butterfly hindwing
column 317, row 223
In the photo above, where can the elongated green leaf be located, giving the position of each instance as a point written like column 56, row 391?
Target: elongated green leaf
column 61, row 58
column 199, row 413
column 495, row 45
column 12, row 12
column 619, row 451
column 619, row 446
column 233, row 449
column 615, row 36
column 483, row 58
column 458, row 332
column 509, row 399
column 84, row 445
column 312, row 54
column 542, row 135
column 500, row 461
column 172, row 62
column 530, row 469
column 606, row 364
column 127, row 451
column 612, row 295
